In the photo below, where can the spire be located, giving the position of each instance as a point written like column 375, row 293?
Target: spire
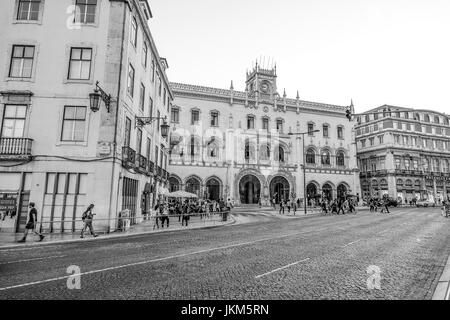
column 284, row 93
column 298, row 96
column 231, row 86
column 351, row 102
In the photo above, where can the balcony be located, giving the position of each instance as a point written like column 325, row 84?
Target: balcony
column 128, row 157
column 141, row 163
column 15, row 148
column 158, row 171
column 151, row 166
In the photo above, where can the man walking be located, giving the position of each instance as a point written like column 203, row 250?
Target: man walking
column 87, row 219
column 31, row 223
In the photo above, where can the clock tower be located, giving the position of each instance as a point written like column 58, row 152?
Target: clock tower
column 262, row 82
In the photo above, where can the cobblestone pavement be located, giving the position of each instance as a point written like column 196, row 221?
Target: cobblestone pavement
column 316, row 257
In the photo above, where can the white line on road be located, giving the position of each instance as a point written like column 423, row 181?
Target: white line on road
column 281, row 268
column 350, row 243
column 150, row 261
column 25, row 260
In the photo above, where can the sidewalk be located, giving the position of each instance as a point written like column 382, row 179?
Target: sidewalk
column 442, row 291
column 9, row 240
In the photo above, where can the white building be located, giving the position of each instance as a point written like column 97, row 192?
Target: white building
column 235, row 144
column 55, row 150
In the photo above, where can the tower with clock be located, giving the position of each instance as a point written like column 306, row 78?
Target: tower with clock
column 262, row 82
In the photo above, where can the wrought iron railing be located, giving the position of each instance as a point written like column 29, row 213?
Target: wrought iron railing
column 128, row 157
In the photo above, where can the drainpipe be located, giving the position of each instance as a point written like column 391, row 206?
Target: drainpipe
column 117, row 119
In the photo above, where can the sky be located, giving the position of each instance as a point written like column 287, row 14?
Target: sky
column 375, row 52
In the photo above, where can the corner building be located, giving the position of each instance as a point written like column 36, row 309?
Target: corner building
column 56, row 148
column 404, row 153
column 235, row 144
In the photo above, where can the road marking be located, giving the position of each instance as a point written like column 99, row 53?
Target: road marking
column 281, row 268
column 350, row 243
column 151, row 261
column 25, row 260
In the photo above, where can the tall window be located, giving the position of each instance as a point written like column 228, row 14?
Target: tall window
column 340, row 159
column 280, row 125
column 250, row 122
column 28, row 10
column 340, row 132
column 265, row 124
column 85, row 11
column 13, row 121
column 214, row 119
column 74, row 122
column 310, row 129
column 175, row 115
column 195, row 117
column 158, row 119
column 310, row 156
column 144, row 54
column 148, row 148
column 150, row 106
column 138, row 141
column 325, row 157
column 133, row 32
column 21, row 62
column 325, row 131
column 153, row 70
column 159, row 85
column 142, row 97
column 80, row 63
column 130, row 84
column 126, row 141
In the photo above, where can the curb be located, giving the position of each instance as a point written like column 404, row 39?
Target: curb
column 108, row 237
column 442, row 291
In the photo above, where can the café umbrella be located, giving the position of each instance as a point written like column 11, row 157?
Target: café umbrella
column 181, row 194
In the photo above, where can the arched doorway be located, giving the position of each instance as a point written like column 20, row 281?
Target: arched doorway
column 341, row 191
column 327, row 192
column 279, row 189
column 249, row 189
column 193, row 186
column 311, row 192
column 213, row 189
column 174, row 184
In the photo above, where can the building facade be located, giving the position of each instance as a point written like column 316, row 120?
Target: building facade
column 404, row 153
column 57, row 148
column 236, row 145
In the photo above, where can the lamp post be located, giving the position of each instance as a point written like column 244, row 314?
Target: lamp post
column 141, row 121
column 304, row 161
column 94, row 98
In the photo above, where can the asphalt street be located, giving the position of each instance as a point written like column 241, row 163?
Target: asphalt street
column 400, row 255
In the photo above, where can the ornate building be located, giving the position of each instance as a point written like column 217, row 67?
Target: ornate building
column 404, row 153
column 236, row 144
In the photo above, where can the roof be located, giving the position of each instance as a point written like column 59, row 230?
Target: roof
column 184, row 88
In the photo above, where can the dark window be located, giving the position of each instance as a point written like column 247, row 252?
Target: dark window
column 13, row 124
column 214, row 119
column 325, row 131
column 85, row 11
column 130, row 84
column 250, row 122
column 150, row 106
column 126, row 141
column 265, row 124
column 138, row 141
column 21, row 62
column 149, row 148
column 195, row 117
column 144, row 54
column 310, row 129
column 133, row 32
column 142, row 97
column 80, row 63
column 340, row 159
column 279, row 125
column 325, row 158
column 340, row 132
column 28, row 10
column 310, row 156
column 175, row 115
column 74, row 122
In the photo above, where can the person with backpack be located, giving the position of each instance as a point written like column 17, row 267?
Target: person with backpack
column 31, row 223
column 87, row 217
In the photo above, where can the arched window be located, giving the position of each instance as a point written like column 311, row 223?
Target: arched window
column 174, row 184
column 212, row 147
column 193, row 186
column 340, row 159
column 279, row 154
column 194, row 146
column 436, row 119
column 325, row 157
column 310, row 156
column 446, row 121
column 264, row 152
column 249, row 150
column 427, row 118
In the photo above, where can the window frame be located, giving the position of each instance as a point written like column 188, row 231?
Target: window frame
column 22, row 58
column 134, row 31
column 4, row 117
column 81, row 55
column 130, row 89
column 84, row 23
column 16, row 13
column 74, row 120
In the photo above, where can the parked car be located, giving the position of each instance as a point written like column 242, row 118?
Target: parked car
column 425, row 203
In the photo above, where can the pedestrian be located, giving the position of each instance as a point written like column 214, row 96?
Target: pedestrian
column 31, row 223
column 87, row 218
column 340, row 207
column 154, row 216
column 281, row 206
column 294, row 206
column 186, row 213
column 164, row 212
column 288, row 205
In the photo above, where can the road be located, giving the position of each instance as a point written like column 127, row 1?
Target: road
column 401, row 255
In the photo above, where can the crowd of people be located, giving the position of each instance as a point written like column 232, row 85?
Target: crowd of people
column 165, row 209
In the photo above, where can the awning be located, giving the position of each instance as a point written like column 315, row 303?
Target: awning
column 181, row 194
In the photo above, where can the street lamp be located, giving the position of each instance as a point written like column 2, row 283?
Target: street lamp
column 304, row 161
column 141, row 121
column 94, row 98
